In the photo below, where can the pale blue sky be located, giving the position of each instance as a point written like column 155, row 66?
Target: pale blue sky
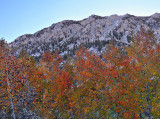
column 18, row 17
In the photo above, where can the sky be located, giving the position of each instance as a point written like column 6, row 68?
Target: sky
column 19, row 17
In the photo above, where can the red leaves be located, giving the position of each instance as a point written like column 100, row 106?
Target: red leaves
column 87, row 85
column 47, row 57
column 63, row 82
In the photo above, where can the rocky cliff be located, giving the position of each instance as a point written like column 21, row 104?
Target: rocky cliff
column 93, row 32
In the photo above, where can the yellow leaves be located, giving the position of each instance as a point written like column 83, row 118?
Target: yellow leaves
column 86, row 74
column 121, row 83
column 139, row 64
column 8, row 90
column 53, row 105
column 155, row 110
column 154, row 72
column 45, row 94
column 86, row 111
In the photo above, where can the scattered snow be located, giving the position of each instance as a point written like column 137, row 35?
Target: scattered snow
column 71, row 46
column 63, row 53
column 117, row 23
column 37, row 54
column 88, row 29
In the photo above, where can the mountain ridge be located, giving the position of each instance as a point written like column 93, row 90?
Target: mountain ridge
column 69, row 34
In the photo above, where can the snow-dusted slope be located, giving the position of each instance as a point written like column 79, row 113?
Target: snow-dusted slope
column 94, row 32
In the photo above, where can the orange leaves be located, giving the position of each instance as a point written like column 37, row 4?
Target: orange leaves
column 63, row 81
column 56, row 81
column 130, row 74
column 125, row 84
column 90, row 72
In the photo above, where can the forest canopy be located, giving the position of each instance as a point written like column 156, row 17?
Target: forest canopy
column 125, row 84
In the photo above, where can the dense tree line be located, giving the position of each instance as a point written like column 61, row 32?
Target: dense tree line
column 126, row 85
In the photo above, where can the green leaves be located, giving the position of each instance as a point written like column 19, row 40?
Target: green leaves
column 127, row 86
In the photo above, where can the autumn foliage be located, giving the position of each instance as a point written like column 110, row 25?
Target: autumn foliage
column 123, row 84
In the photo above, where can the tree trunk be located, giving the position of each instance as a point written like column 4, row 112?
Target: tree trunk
column 8, row 83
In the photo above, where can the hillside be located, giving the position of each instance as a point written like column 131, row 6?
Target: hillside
column 94, row 32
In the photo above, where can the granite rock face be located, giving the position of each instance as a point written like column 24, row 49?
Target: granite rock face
column 94, row 32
